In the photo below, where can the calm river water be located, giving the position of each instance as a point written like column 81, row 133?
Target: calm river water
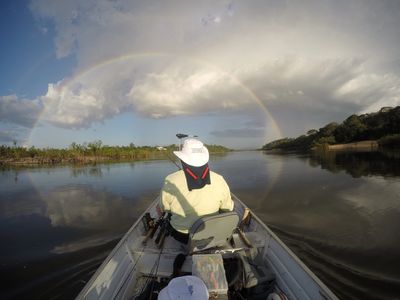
column 339, row 213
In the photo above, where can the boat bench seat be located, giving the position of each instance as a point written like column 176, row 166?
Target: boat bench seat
column 212, row 231
column 209, row 234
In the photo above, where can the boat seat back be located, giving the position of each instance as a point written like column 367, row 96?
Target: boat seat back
column 212, row 231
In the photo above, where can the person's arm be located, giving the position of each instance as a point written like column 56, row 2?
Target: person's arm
column 165, row 199
column 227, row 202
column 164, row 203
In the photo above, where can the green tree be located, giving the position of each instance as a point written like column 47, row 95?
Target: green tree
column 328, row 130
column 312, row 132
column 351, row 130
column 94, row 146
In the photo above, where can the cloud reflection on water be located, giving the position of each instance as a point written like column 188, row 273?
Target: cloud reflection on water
column 341, row 216
column 83, row 207
column 104, row 215
column 335, row 208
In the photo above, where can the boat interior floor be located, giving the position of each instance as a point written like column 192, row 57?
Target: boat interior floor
column 247, row 276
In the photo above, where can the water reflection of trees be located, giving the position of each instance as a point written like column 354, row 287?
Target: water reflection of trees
column 92, row 171
column 358, row 164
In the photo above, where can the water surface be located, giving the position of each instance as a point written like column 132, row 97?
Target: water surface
column 339, row 213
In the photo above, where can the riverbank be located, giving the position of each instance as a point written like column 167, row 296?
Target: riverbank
column 357, row 132
column 360, row 146
column 369, row 145
column 88, row 160
column 79, row 160
column 89, row 153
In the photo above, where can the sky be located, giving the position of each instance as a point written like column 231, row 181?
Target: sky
column 235, row 73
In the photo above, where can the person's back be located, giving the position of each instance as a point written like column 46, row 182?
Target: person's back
column 194, row 191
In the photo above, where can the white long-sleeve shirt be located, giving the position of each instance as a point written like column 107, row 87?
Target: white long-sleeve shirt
column 187, row 206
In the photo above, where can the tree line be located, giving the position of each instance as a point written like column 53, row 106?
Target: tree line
column 382, row 126
column 89, row 152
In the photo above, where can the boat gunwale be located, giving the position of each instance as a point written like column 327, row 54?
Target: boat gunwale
column 82, row 294
column 324, row 290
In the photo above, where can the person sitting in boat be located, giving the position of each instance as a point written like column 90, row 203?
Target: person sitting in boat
column 194, row 191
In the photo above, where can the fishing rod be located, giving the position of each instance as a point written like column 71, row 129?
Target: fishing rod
column 164, row 231
column 180, row 136
column 163, row 223
column 150, row 227
column 173, row 161
column 154, row 274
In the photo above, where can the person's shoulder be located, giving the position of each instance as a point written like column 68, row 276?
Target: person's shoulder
column 216, row 176
column 174, row 176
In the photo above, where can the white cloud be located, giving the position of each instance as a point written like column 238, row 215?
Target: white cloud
column 320, row 84
column 332, row 87
column 74, row 108
column 183, row 88
column 371, row 91
column 173, row 93
column 314, row 57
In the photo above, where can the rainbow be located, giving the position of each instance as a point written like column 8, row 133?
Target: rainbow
column 68, row 81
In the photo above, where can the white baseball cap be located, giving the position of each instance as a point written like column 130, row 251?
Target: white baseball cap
column 193, row 152
column 185, row 287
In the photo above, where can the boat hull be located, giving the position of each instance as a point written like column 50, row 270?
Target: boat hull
column 118, row 275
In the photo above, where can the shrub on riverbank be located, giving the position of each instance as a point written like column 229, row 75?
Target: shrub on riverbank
column 89, row 152
column 390, row 141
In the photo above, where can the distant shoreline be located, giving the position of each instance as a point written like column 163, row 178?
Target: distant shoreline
column 85, row 160
column 89, row 153
column 364, row 132
column 364, row 146
column 369, row 145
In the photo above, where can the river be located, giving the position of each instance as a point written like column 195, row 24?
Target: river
column 340, row 213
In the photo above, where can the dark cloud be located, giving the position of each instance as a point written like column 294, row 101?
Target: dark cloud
column 18, row 111
column 7, row 137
